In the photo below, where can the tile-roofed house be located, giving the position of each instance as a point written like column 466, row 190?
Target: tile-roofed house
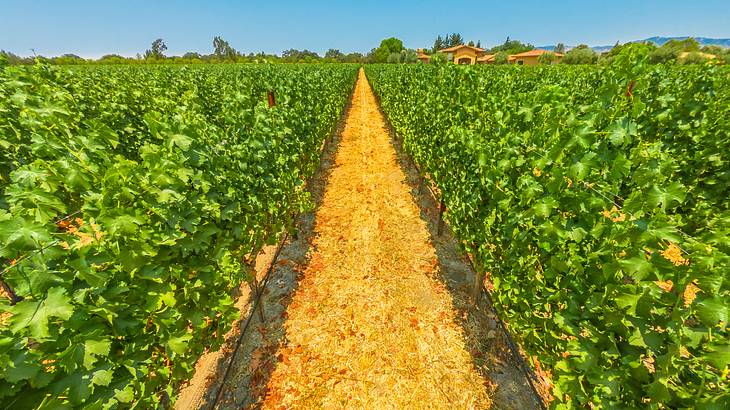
column 532, row 57
column 422, row 56
column 463, row 54
column 486, row 59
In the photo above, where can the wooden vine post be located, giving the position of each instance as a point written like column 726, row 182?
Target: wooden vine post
column 442, row 208
column 478, row 283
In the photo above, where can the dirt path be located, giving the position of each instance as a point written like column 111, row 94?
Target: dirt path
column 370, row 325
column 367, row 307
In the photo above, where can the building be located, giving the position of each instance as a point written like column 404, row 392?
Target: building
column 486, row 59
column 422, row 56
column 463, row 54
column 532, row 57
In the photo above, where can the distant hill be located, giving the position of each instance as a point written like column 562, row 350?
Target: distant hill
column 704, row 41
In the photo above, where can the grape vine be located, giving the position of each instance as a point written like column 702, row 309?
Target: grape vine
column 131, row 199
column 595, row 202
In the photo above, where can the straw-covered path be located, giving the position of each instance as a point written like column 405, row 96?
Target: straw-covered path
column 370, row 325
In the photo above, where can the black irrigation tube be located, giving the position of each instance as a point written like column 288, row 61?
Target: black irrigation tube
column 529, row 373
column 259, row 294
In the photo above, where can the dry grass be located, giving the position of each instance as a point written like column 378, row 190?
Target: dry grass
column 370, row 325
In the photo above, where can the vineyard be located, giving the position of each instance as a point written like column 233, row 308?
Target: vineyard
column 595, row 200
column 132, row 202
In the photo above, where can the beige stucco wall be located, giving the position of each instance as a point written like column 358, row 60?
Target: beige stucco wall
column 465, row 53
column 533, row 60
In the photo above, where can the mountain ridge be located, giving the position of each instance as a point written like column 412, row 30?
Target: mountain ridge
column 658, row 40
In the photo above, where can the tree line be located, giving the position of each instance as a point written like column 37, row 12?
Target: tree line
column 687, row 51
column 390, row 50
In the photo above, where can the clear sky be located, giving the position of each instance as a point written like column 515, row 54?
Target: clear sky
column 92, row 28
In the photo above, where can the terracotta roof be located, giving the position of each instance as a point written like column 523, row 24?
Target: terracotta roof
column 535, row 53
column 486, row 58
column 454, row 48
column 423, row 56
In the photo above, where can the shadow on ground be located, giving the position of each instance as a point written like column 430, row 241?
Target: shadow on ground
column 245, row 386
column 483, row 337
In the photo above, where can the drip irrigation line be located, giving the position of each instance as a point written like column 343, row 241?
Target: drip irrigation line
column 528, row 372
column 254, row 307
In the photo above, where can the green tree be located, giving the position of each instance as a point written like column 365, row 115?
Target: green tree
column 547, row 59
column 438, row 44
column 68, row 59
column 386, row 48
column 14, row 59
column 512, row 47
column 663, row 55
column 157, row 49
column 449, row 40
column 438, row 59
column 354, row 58
column 560, row 48
column 618, row 49
column 501, row 57
column 113, row 59
column 296, row 56
column 334, row 54
column 409, row 56
column 394, row 58
column 670, row 51
column 455, row 39
column 581, row 55
column 223, row 50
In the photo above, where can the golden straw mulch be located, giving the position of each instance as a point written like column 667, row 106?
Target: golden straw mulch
column 370, row 326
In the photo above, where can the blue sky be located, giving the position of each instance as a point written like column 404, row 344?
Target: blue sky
column 94, row 28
